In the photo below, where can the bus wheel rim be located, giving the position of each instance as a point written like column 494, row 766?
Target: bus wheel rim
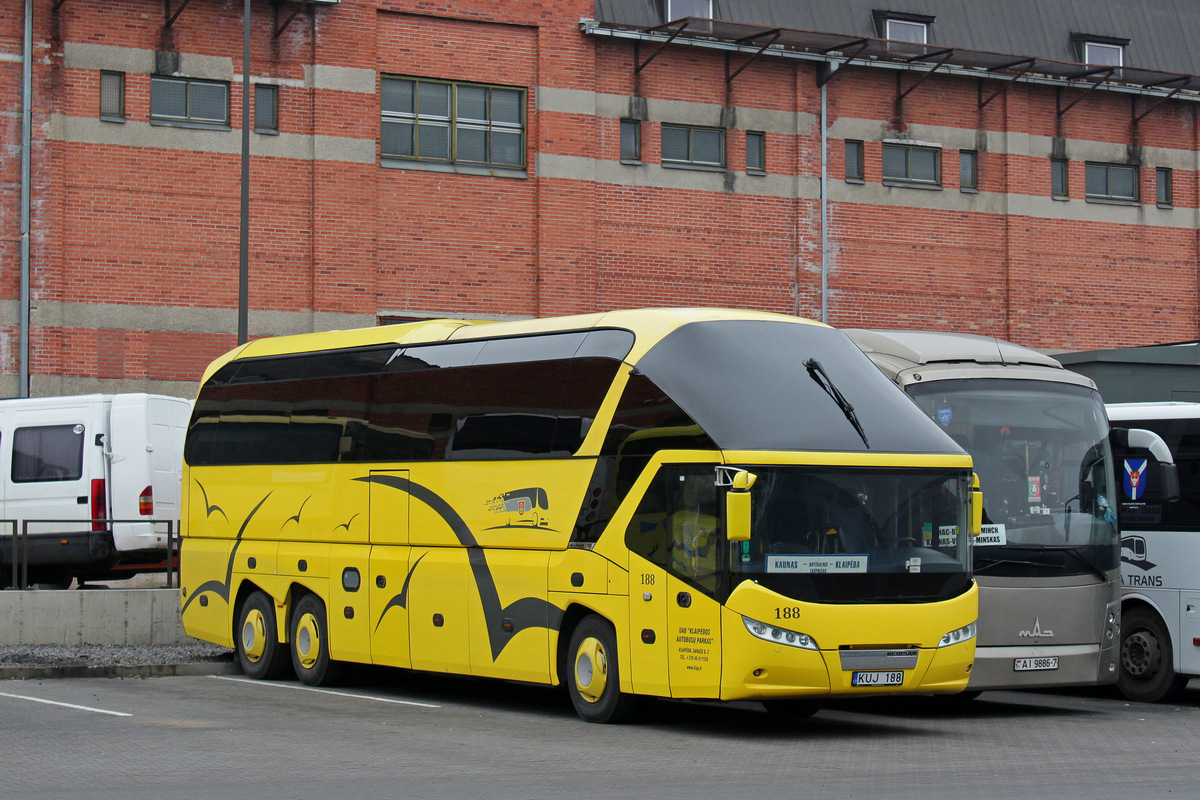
column 591, row 670
column 1141, row 654
column 254, row 636
column 308, row 641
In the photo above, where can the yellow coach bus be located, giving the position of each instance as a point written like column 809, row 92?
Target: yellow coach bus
column 685, row 503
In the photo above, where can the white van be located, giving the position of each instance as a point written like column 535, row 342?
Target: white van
column 89, row 458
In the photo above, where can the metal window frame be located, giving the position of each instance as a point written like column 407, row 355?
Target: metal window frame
column 274, row 126
column 188, row 119
column 636, row 126
column 1108, row 196
column 973, row 156
column 860, row 173
column 923, row 26
column 119, row 115
column 761, row 136
column 1164, row 179
column 1057, row 164
column 691, row 161
column 908, row 151
column 1088, row 44
column 490, row 126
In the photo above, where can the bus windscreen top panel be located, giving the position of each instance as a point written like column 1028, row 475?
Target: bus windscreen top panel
column 761, row 385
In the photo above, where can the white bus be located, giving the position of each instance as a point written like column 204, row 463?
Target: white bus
column 1160, row 560
column 1047, row 562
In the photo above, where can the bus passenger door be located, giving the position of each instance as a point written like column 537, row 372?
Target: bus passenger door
column 387, row 579
column 694, row 625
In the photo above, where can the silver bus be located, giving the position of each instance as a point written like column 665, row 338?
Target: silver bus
column 1048, row 559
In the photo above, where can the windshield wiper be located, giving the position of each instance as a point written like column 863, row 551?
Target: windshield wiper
column 993, row 562
column 1073, row 549
column 818, row 374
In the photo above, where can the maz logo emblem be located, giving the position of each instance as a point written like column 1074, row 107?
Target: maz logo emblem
column 1037, row 632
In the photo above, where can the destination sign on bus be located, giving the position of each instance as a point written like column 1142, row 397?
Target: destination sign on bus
column 809, row 565
column 989, row 535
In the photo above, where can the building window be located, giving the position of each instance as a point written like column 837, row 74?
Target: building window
column 631, row 141
column 686, row 145
column 1059, row 188
column 756, row 151
column 112, row 96
column 678, row 9
column 1103, row 54
column 1111, row 182
column 189, row 101
column 1164, row 187
column 968, row 170
column 903, row 27
column 912, row 164
column 452, row 122
column 266, row 108
column 1103, row 51
column 854, row 161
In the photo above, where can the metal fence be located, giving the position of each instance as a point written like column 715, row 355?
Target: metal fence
column 19, row 537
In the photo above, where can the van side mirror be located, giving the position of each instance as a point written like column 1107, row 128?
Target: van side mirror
column 737, row 507
column 976, row 506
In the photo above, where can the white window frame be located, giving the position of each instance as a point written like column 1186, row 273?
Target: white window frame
column 901, row 25
column 1091, row 49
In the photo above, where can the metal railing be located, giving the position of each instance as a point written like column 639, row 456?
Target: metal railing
column 19, row 535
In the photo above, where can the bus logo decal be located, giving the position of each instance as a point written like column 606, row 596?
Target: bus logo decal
column 1133, row 553
column 527, row 504
column 1135, row 474
column 400, row 600
column 1037, row 632
column 527, row 612
column 221, row 588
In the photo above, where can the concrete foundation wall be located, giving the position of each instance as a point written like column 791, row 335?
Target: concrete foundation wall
column 113, row 616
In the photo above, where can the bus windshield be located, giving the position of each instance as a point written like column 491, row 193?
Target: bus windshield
column 857, row 535
column 1045, row 467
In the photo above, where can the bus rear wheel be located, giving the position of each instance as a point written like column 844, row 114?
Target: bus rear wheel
column 1147, row 673
column 258, row 648
column 593, row 680
column 310, row 644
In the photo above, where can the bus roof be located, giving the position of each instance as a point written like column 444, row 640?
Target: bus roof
column 1154, row 409
column 649, row 326
column 901, row 353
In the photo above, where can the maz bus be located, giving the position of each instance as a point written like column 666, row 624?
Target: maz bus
column 1160, row 562
column 675, row 503
column 1047, row 559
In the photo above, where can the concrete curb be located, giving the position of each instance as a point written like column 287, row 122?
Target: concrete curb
column 229, row 667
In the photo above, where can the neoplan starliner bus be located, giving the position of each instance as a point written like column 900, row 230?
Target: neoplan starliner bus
column 1160, row 635
column 674, row 503
column 1046, row 560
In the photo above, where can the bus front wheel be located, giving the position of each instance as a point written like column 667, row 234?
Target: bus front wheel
column 593, row 681
column 1147, row 673
column 258, row 648
column 310, row 644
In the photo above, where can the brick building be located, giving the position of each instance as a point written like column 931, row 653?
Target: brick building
column 1025, row 169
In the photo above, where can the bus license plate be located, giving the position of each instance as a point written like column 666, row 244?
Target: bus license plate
column 895, row 678
column 1025, row 664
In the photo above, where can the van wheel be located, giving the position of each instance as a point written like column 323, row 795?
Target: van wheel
column 1147, row 674
column 257, row 640
column 310, row 644
column 593, row 681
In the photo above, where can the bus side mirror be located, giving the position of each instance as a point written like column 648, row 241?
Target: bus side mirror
column 1124, row 439
column 737, row 507
column 976, row 506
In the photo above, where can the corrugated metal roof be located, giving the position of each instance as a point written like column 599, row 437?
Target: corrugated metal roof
column 1157, row 30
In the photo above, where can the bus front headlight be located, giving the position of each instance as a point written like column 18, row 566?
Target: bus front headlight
column 960, row 635
column 777, row 635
